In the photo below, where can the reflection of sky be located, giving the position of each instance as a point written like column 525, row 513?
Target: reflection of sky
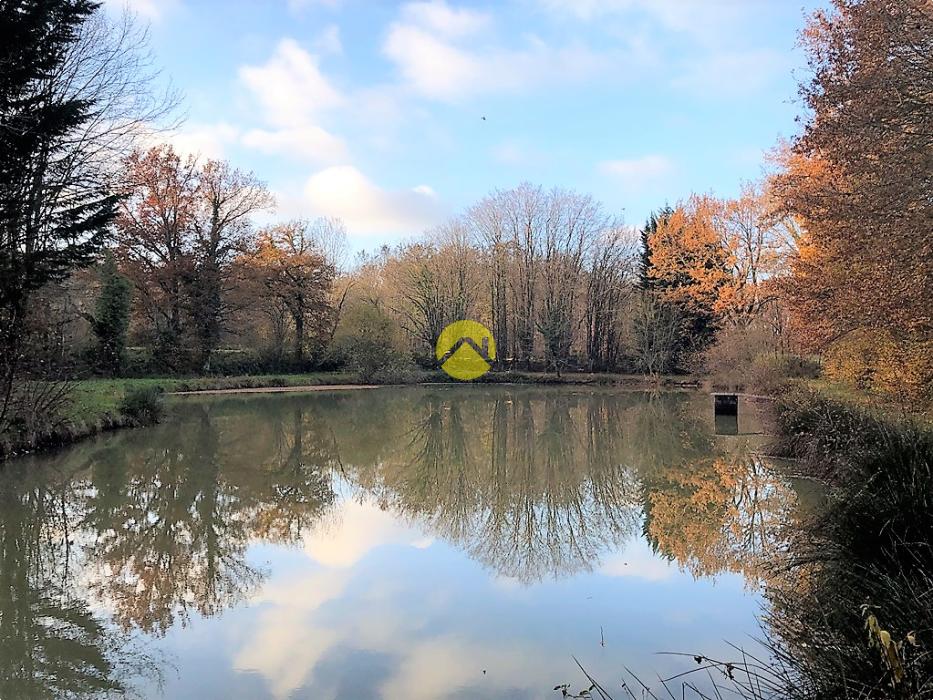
column 369, row 606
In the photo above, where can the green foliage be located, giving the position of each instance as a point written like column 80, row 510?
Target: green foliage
column 143, row 405
column 367, row 342
column 111, row 317
column 53, row 211
column 645, row 281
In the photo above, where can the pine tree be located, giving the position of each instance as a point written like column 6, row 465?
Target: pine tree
column 111, row 317
column 54, row 209
column 645, row 279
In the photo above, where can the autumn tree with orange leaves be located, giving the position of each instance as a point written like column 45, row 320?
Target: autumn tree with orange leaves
column 860, row 177
column 689, row 266
column 153, row 231
column 290, row 278
column 179, row 228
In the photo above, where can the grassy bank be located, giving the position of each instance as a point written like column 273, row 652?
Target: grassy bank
column 852, row 614
column 97, row 405
column 850, row 599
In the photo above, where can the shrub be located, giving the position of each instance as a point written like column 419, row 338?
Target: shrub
column 769, row 371
column 752, row 358
column 860, row 572
column 36, row 411
column 369, row 343
column 142, row 405
column 876, row 361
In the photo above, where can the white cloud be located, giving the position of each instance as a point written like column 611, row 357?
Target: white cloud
column 151, row 10
column 635, row 171
column 430, row 66
column 290, row 88
column 307, row 143
column 367, row 209
column 202, row 140
column 292, row 93
column 439, row 17
column 445, row 54
column 328, row 41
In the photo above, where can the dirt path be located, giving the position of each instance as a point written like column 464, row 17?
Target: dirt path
column 276, row 389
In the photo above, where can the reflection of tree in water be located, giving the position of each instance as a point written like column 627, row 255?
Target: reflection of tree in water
column 171, row 538
column 174, row 533
column 724, row 513
column 535, row 482
column 51, row 644
column 161, row 519
column 531, row 482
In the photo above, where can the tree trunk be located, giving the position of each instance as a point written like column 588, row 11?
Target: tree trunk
column 299, row 337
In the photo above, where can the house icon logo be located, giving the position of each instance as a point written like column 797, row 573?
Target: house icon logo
column 465, row 350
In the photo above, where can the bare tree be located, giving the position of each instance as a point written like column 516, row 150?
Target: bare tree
column 609, row 286
column 226, row 199
column 656, row 331
column 486, row 221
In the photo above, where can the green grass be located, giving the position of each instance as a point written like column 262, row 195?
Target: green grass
column 93, row 399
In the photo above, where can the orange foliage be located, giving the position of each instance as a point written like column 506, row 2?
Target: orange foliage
column 687, row 259
column 721, row 515
column 858, row 179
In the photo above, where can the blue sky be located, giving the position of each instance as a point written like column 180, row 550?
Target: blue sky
column 372, row 111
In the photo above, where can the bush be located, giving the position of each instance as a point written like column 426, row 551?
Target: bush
column 36, row 412
column 143, row 405
column 770, row 371
column 860, row 572
column 369, row 342
column 751, row 358
column 875, row 361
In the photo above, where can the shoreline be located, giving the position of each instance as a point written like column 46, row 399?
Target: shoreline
column 281, row 389
column 96, row 404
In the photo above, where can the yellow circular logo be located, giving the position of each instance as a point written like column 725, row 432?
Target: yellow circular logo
column 465, row 350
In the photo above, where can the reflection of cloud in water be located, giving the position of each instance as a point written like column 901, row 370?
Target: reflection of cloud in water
column 499, row 530
column 294, row 637
column 294, row 640
column 285, row 645
column 357, row 528
column 638, row 561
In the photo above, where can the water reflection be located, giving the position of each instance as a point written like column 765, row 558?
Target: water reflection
column 150, row 531
column 51, row 643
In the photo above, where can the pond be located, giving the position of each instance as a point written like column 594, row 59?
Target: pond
column 416, row 542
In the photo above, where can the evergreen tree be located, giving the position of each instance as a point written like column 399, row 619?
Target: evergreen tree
column 111, row 317
column 54, row 205
column 645, row 280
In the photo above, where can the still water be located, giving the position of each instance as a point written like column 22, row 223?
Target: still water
column 403, row 543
